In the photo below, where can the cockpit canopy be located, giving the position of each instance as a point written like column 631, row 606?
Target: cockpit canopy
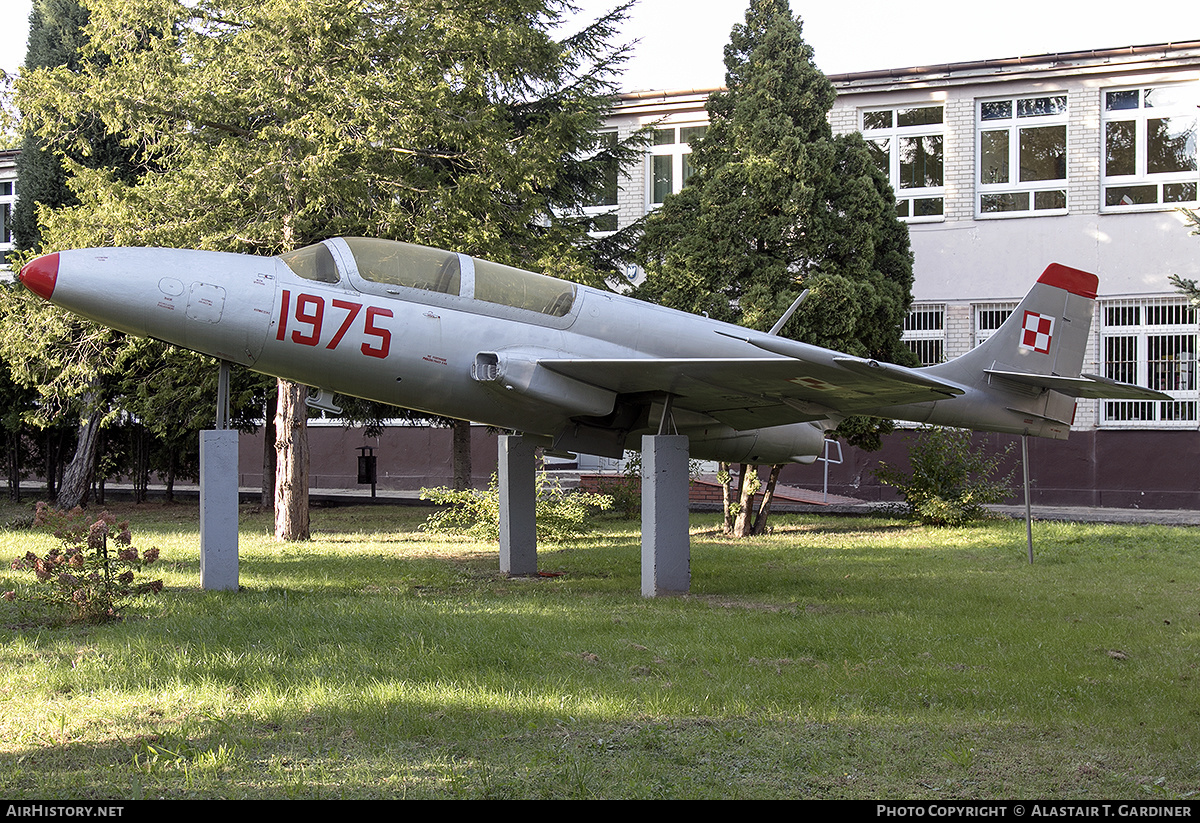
column 391, row 263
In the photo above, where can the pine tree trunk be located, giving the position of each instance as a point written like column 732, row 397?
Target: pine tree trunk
column 141, row 464
column 77, row 478
column 462, row 455
column 172, row 466
column 14, row 466
column 728, row 495
column 748, row 484
column 764, row 508
column 291, row 472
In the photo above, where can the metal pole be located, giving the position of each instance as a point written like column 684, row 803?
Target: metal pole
column 825, row 487
column 1028, row 508
column 223, row 395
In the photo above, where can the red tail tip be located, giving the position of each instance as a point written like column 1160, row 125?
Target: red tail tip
column 40, row 275
column 1075, row 281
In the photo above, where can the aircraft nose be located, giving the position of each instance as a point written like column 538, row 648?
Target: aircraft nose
column 40, row 274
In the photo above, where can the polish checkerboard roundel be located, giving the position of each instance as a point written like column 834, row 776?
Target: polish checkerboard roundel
column 1037, row 332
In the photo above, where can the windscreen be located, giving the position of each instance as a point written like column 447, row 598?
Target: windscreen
column 312, row 263
column 405, row 264
column 522, row 289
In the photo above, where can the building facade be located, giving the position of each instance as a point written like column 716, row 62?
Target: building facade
column 1001, row 167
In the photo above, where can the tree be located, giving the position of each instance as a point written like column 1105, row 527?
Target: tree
column 55, row 39
column 777, row 204
column 265, row 126
column 1185, row 286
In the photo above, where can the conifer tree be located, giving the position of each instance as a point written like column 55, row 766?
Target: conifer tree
column 56, row 38
column 267, row 125
column 777, row 204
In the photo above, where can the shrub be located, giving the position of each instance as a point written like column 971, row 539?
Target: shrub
column 949, row 482
column 82, row 576
column 625, row 488
column 561, row 513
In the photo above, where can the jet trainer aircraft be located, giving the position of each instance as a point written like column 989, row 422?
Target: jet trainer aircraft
column 586, row 370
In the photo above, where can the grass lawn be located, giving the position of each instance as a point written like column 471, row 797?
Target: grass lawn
column 833, row 658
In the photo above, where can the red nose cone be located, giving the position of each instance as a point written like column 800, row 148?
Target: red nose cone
column 40, row 274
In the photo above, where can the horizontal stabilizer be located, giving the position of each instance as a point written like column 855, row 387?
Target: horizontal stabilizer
column 1086, row 385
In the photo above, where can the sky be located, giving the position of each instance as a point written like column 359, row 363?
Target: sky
column 680, row 42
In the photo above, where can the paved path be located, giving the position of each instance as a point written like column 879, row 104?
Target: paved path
column 1075, row 514
column 787, row 500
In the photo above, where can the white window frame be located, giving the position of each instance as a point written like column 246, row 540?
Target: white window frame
column 1133, row 330
column 8, row 202
column 673, row 154
column 1023, row 194
column 1142, row 178
column 607, row 208
column 908, row 198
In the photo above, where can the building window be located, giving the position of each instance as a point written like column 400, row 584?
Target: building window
column 907, row 145
column 670, row 159
column 1150, row 147
column 989, row 317
column 8, row 199
column 925, row 333
column 602, row 209
column 1022, row 154
column 1150, row 343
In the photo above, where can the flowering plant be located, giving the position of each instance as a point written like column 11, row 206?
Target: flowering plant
column 83, row 574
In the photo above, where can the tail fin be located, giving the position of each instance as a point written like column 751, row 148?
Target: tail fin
column 1047, row 334
column 1032, row 366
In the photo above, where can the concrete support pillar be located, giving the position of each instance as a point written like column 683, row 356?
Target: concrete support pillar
column 219, row 510
column 517, row 477
column 666, row 550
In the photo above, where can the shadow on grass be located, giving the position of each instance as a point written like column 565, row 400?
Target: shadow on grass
column 842, row 658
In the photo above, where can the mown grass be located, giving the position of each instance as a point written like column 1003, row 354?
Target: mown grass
column 836, row 657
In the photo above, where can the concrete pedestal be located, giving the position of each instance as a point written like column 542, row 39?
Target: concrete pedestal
column 219, row 510
column 666, row 548
column 517, row 477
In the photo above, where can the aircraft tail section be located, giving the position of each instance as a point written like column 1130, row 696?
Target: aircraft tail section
column 1047, row 334
column 1026, row 377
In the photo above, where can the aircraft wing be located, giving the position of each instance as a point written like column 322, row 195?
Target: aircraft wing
column 761, row 391
column 1086, row 385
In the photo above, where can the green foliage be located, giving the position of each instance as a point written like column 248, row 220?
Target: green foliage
column 264, row 126
column 626, row 488
column 778, row 204
column 561, row 513
column 949, row 483
column 259, row 127
column 82, row 577
column 58, row 41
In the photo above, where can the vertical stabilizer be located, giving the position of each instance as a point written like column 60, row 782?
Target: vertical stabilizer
column 1047, row 334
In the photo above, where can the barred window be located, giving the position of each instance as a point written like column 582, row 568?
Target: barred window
column 925, row 333
column 1151, row 343
column 989, row 317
